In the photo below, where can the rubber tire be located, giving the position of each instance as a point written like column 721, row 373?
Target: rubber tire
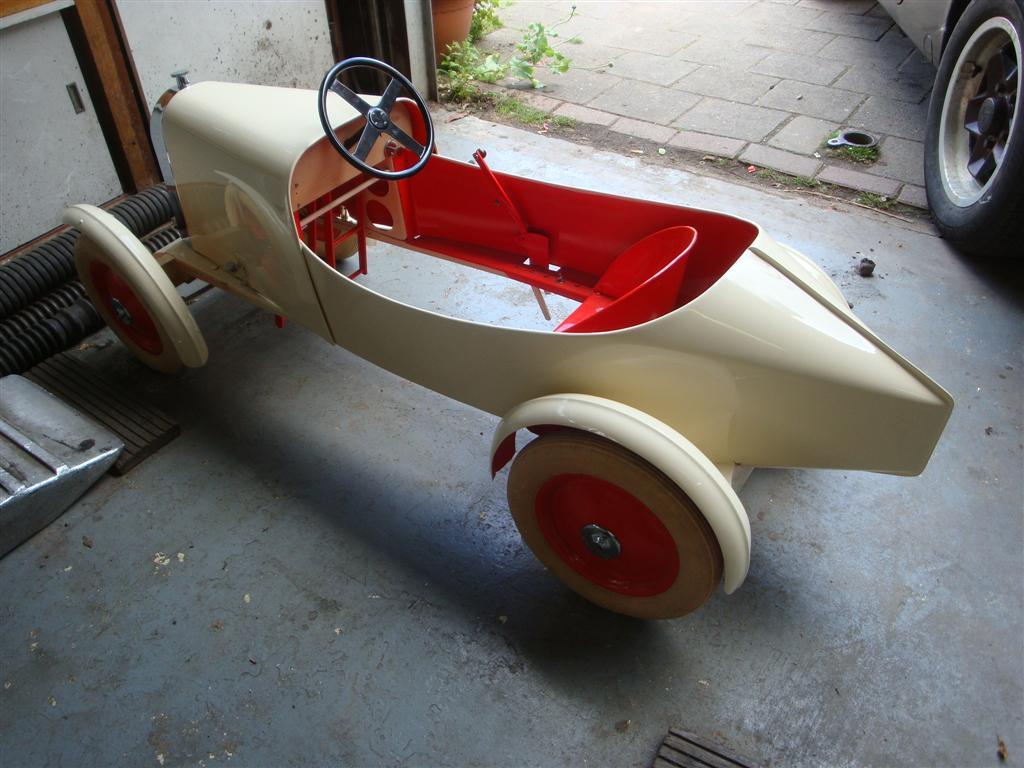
column 182, row 342
column 994, row 224
column 577, row 452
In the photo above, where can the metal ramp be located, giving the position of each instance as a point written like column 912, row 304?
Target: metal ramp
column 49, row 455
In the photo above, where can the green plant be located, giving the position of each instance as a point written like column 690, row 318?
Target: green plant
column 465, row 59
column 536, row 49
column 872, row 200
column 862, row 155
column 464, row 63
column 485, row 19
column 513, row 108
column 784, row 179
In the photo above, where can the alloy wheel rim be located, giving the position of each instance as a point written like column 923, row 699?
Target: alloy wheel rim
column 981, row 103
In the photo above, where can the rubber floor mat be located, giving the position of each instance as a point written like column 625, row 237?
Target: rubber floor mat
column 142, row 428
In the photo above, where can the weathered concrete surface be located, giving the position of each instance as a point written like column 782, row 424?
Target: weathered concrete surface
column 351, row 590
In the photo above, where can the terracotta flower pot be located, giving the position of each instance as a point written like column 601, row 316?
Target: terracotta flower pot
column 451, row 23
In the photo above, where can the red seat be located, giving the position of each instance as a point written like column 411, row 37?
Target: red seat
column 641, row 284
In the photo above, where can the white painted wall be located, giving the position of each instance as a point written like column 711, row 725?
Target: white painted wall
column 269, row 42
column 49, row 156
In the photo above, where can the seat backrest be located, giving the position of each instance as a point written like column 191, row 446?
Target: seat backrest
column 643, row 283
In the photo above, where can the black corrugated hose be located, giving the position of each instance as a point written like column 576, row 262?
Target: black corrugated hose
column 51, row 263
column 44, row 311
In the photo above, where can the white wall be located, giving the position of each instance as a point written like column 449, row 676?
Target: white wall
column 49, row 156
column 271, row 42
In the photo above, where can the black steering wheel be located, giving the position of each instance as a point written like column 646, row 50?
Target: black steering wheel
column 378, row 117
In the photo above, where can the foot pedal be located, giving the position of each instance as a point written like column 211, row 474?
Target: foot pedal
column 682, row 749
column 49, row 456
column 142, row 428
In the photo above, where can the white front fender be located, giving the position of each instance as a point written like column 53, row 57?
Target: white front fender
column 680, row 460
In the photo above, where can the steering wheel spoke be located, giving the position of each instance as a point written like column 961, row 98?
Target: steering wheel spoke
column 387, row 100
column 353, row 98
column 404, row 139
column 366, row 141
column 377, row 117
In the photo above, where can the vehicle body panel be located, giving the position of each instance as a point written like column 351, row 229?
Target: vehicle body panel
column 764, row 366
column 924, row 22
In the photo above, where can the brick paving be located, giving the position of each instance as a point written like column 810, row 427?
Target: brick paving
column 765, row 81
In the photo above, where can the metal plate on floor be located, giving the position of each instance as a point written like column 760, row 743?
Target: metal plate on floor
column 49, row 455
column 682, row 749
column 142, row 428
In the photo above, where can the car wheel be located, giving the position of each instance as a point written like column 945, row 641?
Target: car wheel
column 612, row 527
column 974, row 149
column 140, row 304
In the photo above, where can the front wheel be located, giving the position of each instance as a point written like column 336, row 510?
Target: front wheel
column 974, row 148
column 613, row 527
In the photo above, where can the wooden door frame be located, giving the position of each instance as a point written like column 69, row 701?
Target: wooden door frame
column 99, row 41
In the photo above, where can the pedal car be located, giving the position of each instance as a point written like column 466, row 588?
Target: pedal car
column 700, row 349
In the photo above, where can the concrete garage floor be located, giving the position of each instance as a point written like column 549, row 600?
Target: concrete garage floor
column 343, row 584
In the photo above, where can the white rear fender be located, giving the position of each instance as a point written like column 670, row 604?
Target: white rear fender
column 662, row 446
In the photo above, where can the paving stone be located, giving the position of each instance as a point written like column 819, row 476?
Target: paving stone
column 787, row 162
column 648, row 37
column 788, row 38
column 841, row 6
column 878, row 11
column 853, row 50
column 863, row 182
column 866, row 27
column 578, row 85
column 918, row 67
column 881, row 115
column 730, row 84
column 591, row 55
column 735, row 56
column 539, row 100
column 586, row 114
column 814, row 100
column 652, row 68
column 913, row 195
column 712, row 25
column 790, row 16
column 803, row 134
column 656, row 133
column 806, row 69
column 644, row 101
column 900, row 159
column 909, row 86
column 704, row 142
column 727, row 118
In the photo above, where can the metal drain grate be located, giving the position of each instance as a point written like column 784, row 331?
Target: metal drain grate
column 682, row 749
column 142, row 428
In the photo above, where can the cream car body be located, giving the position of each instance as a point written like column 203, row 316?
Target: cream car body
column 764, row 366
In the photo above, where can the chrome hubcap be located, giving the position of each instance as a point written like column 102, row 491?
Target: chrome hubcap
column 121, row 311
column 601, row 542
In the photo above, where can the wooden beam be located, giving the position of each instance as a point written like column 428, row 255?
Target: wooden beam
column 9, row 7
column 98, row 38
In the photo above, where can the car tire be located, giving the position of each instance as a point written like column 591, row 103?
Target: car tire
column 613, row 527
column 975, row 181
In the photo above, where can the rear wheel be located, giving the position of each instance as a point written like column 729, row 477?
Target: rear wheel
column 613, row 527
column 974, row 149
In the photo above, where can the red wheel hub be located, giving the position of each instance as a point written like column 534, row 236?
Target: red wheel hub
column 606, row 535
column 128, row 312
